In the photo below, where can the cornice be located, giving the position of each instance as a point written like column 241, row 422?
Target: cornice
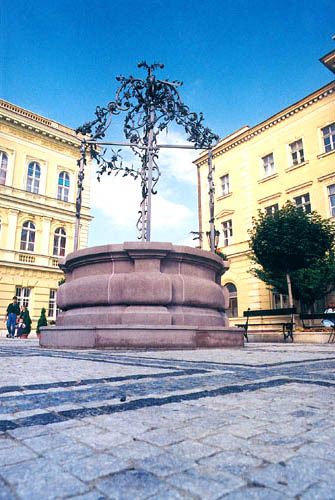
column 264, row 126
column 269, row 198
column 224, row 213
column 39, row 205
column 326, row 177
column 37, row 124
column 300, row 186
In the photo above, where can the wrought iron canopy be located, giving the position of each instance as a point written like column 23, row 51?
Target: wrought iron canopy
column 150, row 105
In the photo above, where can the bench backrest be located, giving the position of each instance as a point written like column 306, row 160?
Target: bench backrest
column 270, row 312
column 317, row 316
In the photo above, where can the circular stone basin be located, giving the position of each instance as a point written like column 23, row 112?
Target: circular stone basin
column 142, row 294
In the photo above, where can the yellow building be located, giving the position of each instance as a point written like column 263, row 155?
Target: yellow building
column 289, row 156
column 38, row 182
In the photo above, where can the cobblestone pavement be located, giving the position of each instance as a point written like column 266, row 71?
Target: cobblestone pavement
column 252, row 423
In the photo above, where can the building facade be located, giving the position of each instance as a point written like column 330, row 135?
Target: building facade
column 289, row 156
column 38, row 180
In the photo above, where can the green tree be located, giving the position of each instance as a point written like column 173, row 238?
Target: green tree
column 308, row 285
column 42, row 320
column 291, row 241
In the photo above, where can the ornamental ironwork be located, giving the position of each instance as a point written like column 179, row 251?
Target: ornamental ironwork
column 150, row 105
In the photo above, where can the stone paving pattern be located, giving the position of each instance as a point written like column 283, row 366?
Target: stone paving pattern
column 252, row 423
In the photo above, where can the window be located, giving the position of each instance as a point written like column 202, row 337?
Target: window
column 279, row 301
column 232, row 311
column 23, row 296
column 297, row 152
column 63, row 186
column 331, row 196
column 272, row 209
column 227, row 229
column 33, row 179
column 329, row 137
column 268, row 165
column 28, row 236
column 52, row 311
column 303, row 201
column 225, row 184
column 3, row 167
column 59, row 242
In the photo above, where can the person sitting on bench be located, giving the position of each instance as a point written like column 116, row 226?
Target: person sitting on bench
column 329, row 323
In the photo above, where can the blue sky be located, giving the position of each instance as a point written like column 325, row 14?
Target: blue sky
column 240, row 60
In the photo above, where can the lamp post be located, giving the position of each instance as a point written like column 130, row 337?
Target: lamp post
column 215, row 239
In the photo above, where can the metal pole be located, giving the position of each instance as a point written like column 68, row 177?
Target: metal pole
column 150, row 164
column 81, row 175
column 211, row 200
column 150, row 156
column 132, row 145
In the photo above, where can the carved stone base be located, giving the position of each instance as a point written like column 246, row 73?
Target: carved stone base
column 140, row 337
column 142, row 295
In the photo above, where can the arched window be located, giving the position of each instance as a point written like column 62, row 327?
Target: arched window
column 63, row 186
column 232, row 310
column 33, row 178
column 3, row 167
column 59, row 242
column 28, row 236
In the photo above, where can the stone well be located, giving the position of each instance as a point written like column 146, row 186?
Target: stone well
column 142, row 295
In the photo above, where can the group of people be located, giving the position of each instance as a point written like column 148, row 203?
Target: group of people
column 17, row 319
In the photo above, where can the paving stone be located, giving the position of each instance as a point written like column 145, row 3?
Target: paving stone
column 254, row 493
column 271, row 439
column 6, row 442
column 15, row 455
column 162, row 437
column 165, row 464
column 207, row 423
column 103, row 440
column 92, row 495
column 191, row 449
column 40, row 479
column 5, row 492
column 295, row 476
column 232, row 462
column 68, row 453
column 208, row 485
column 272, row 454
column 95, row 466
column 323, row 451
column 133, row 485
column 47, row 442
column 225, row 441
column 136, row 450
column 319, row 491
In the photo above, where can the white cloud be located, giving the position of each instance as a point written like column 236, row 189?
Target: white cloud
column 118, row 198
column 177, row 162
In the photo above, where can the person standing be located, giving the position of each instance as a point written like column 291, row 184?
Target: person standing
column 13, row 311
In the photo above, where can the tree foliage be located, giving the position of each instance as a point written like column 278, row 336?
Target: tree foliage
column 308, row 284
column 290, row 239
column 42, row 320
column 294, row 252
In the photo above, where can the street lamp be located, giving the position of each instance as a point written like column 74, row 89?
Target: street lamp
column 216, row 239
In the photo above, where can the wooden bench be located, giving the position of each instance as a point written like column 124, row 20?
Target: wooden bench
column 286, row 326
column 311, row 316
